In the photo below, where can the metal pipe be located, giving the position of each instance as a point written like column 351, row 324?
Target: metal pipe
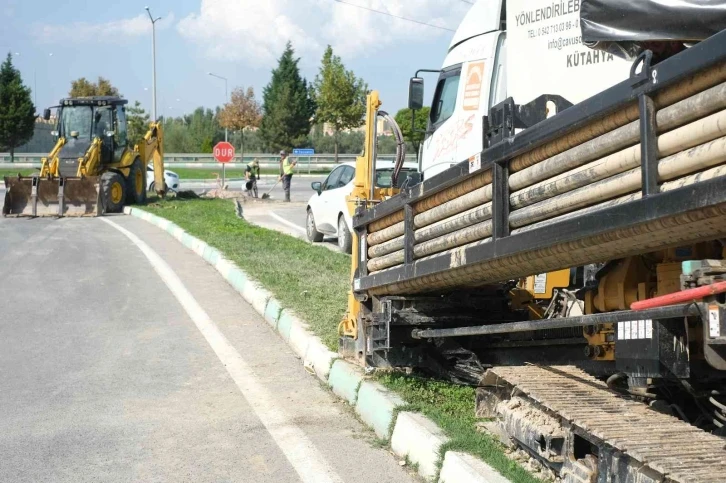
column 453, row 240
column 685, row 137
column 684, row 310
column 671, row 185
column 679, row 297
column 680, row 164
column 679, row 91
column 671, row 117
column 448, row 194
column 457, row 205
column 456, row 222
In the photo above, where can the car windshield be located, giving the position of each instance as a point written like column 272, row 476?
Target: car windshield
column 383, row 176
column 76, row 118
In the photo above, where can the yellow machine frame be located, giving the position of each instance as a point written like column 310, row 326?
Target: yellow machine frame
column 361, row 196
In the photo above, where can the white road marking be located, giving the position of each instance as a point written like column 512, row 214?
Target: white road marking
column 286, row 222
column 304, row 457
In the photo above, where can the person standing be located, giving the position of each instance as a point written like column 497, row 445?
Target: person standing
column 252, row 174
column 287, row 172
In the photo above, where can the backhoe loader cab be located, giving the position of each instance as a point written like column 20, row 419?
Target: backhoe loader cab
column 92, row 168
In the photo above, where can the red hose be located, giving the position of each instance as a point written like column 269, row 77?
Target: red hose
column 680, row 297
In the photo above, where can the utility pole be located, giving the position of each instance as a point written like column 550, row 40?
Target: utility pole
column 153, row 62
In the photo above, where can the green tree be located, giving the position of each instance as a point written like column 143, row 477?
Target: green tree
column 84, row 88
column 17, row 112
column 416, row 135
column 138, row 123
column 339, row 96
column 287, row 107
column 241, row 113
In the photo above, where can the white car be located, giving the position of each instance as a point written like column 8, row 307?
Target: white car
column 170, row 177
column 327, row 210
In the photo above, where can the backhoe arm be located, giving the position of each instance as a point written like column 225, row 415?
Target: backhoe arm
column 152, row 147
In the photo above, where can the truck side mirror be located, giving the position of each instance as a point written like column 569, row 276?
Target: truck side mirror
column 415, row 93
column 46, row 114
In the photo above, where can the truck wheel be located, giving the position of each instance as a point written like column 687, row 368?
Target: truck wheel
column 345, row 240
column 113, row 192
column 136, row 184
column 313, row 234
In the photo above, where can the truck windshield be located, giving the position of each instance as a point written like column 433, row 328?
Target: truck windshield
column 76, row 118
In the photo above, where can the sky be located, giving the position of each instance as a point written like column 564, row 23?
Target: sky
column 55, row 42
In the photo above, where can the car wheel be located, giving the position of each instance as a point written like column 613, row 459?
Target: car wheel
column 313, row 234
column 345, row 240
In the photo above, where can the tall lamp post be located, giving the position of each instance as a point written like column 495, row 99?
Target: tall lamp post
column 226, row 131
column 226, row 100
column 153, row 62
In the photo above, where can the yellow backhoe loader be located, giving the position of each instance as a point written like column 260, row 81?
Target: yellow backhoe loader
column 92, row 169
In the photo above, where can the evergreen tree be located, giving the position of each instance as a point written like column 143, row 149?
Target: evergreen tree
column 339, row 96
column 138, row 123
column 17, row 112
column 287, row 107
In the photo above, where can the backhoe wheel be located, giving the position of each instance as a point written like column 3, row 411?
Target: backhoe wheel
column 136, row 184
column 113, row 192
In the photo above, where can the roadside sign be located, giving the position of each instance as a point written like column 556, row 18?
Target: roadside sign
column 303, row 152
column 223, row 152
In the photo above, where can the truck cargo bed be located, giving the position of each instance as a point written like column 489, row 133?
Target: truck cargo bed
column 637, row 168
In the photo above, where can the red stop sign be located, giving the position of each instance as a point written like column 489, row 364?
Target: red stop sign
column 223, row 152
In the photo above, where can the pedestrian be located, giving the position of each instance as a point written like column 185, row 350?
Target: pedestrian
column 252, row 174
column 286, row 175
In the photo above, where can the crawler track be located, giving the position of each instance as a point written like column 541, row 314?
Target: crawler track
column 635, row 443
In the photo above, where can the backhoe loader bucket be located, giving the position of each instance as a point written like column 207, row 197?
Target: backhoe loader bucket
column 35, row 196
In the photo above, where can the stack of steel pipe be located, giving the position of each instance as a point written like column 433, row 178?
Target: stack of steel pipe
column 589, row 169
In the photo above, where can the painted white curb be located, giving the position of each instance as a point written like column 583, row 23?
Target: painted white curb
column 460, row 467
column 414, row 436
column 376, row 406
column 420, row 439
column 345, row 380
column 319, row 358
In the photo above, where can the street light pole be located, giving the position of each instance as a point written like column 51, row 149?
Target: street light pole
column 226, row 130
column 226, row 98
column 153, row 62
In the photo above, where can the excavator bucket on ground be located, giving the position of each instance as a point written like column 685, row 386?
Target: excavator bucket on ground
column 35, row 196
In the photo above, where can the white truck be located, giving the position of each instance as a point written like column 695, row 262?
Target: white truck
column 509, row 48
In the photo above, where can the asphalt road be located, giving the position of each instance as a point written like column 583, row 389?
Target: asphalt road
column 117, row 370
column 285, row 218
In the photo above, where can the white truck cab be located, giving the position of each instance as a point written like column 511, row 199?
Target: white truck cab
column 521, row 49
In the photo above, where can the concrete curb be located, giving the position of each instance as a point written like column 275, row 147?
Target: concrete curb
column 418, row 438
column 376, row 406
column 345, row 380
column 413, row 435
column 464, row 467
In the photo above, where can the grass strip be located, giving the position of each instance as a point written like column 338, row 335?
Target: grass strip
column 14, row 172
column 451, row 407
column 311, row 280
